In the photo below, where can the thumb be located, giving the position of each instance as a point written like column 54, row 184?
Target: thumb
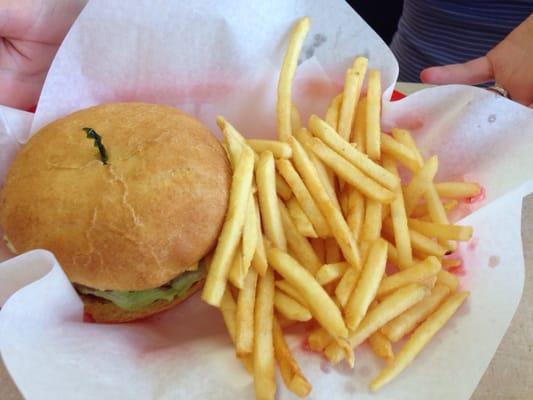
column 472, row 72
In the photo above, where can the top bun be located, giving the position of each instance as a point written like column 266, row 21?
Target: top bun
column 137, row 222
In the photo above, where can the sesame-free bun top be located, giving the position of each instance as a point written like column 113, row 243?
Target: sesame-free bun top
column 149, row 214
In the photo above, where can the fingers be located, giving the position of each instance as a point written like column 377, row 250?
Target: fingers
column 471, row 73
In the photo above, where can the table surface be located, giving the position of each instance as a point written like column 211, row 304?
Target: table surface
column 509, row 375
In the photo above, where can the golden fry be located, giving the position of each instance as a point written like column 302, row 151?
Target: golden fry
column 400, row 152
column 372, row 222
column 325, row 133
column 335, row 219
column 359, row 126
column 301, row 221
column 367, row 286
column 236, row 272
column 286, row 76
column 350, row 98
column 328, row 273
column 425, row 245
column 244, row 338
column 289, row 369
column 350, row 173
column 404, row 137
column 406, row 322
column 441, row 231
column 420, row 337
column 319, row 339
column 287, row 288
column 373, row 115
column 278, row 149
column 380, row 345
column 301, row 192
column 419, row 184
column 265, row 176
column 290, row 308
column 249, row 235
column 346, row 285
column 332, row 114
column 282, row 189
column 259, row 261
column 415, row 274
column 230, row 236
column 298, row 244
column 228, row 308
column 264, row 363
column 447, row 279
column 458, row 190
column 356, row 212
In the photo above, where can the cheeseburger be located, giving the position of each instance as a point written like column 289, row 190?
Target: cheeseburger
column 129, row 197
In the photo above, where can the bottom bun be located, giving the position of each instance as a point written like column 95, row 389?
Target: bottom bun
column 103, row 311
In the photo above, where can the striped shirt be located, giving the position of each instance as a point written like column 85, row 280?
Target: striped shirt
column 439, row 32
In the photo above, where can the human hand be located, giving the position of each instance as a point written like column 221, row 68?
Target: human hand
column 509, row 64
column 30, row 32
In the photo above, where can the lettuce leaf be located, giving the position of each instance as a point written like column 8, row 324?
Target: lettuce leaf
column 135, row 300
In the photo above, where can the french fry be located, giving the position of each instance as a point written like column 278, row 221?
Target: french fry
column 259, row 261
column 326, row 176
column 316, row 298
column 301, row 192
column 356, row 212
column 234, row 140
column 278, row 149
column 373, row 115
column 328, row 273
column 372, row 221
column 289, row 369
column 290, row 308
column 391, row 306
column 352, row 90
column 392, row 254
column 381, row 345
column 244, row 338
column 287, row 288
column 437, row 212
column 236, row 272
column 404, row 137
column 319, row 339
column 406, row 322
column 415, row 274
column 299, row 245
column 326, row 134
column 337, row 223
column 449, row 263
column 420, row 337
column 296, row 120
column 228, row 308
column 421, row 210
column 441, row 231
column 265, row 176
column 230, row 236
column 286, row 76
column 350, row 173
column 425, row 245
column 399, row 222
column 282, row 189
column 332, row 113
column 249, row 235
column 263, row 354
column 359, row 126
column 419, row 184
column 301, row 221
column 400, row 152
column 333, row 253
column 457, row 190
column 367, row 284
column 346, row 285
column 447, row 279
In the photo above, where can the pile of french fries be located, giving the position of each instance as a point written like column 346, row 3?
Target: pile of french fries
column 322, row 231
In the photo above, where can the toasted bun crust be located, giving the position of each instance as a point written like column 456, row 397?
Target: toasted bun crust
column 103, row 311
column 136, row 223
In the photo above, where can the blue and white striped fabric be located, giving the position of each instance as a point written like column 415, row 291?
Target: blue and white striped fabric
column 438, row 32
